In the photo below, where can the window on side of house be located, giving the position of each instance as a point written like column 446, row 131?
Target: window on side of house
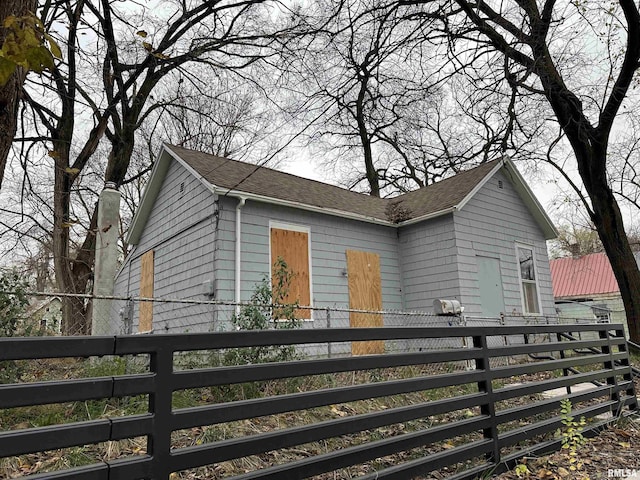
column 528, row 279
column 291, row 243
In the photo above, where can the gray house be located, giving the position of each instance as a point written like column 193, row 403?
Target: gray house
column 211, row 227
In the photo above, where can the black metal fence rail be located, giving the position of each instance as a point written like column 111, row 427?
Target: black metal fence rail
column 486, row 436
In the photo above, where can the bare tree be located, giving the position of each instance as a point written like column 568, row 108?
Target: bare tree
column 378, row 91
column 10, row 91
column 360, row 86
column 115, row 58
column 547, row 52
column 233, row 121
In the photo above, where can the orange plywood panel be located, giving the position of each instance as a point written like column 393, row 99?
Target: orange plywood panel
column 146, row 290
column 365, row 293
column 293, row 248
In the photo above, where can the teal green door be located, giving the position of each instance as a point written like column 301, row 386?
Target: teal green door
column 490, row 281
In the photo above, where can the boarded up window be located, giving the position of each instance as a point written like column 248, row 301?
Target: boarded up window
column 365, row 293
column 293, row 248
column 146, row 290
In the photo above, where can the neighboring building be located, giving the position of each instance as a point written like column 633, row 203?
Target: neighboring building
column 586, row 288
column 44, row 314
column 210, row 228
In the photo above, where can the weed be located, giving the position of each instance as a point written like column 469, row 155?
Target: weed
column 522, row 470
column 571, row 435
column 259, row 314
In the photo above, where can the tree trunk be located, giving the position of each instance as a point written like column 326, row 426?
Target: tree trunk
column 370, row 168
column 609, row 224
column 10, row 92
column 589, row 145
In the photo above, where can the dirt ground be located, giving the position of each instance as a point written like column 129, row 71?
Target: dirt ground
column 615, row 453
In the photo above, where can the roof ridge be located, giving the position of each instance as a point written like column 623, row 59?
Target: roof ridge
column 279, row 172
column 395, row 199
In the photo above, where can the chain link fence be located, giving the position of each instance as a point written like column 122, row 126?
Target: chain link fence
column 45, row 315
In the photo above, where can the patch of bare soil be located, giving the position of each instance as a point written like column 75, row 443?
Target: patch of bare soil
column 615, row 453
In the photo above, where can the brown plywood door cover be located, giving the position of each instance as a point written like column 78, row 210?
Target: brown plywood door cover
column 293, row 247
column 146, row 290
column 365, row 293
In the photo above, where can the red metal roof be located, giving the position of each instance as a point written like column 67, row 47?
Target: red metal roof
column 588, row 275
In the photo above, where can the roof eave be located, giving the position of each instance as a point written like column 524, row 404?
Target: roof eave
column 302, row 206
column 546, row 225
column 152, row 189
column 426, row 217
column 460, row 204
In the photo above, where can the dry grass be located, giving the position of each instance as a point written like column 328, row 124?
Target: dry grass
column 78, row 411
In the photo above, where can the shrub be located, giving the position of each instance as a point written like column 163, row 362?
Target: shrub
column 13, row 303
column 266, row 310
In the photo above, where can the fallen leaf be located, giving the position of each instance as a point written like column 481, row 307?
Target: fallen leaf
column 544, row 474
column 335, row 411
column 622, row 433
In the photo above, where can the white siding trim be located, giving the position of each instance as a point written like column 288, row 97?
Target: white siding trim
column 519, row 245
column 300, row 206
column 481, row 184
column 289, row 226
column 151, row 191
column 238, row 254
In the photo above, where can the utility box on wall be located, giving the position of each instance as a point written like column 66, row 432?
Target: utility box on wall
column 447, row 307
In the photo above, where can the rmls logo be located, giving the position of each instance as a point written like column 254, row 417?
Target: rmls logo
column 623, row 473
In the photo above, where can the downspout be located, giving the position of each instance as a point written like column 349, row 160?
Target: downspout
column 241, row 202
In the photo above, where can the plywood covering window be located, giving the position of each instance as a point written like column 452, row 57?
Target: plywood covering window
column 292, row 245
column 365, row 293
column 146, row 290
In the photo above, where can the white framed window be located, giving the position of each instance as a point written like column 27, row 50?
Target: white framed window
column 293, row 244
column 528, row 276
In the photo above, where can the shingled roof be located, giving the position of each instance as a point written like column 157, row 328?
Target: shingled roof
column 231, row 175
column 239, row 179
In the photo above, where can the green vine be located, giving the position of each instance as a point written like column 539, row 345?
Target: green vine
column 571, row 435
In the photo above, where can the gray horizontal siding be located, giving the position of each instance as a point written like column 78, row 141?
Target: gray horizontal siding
column 126, row 284
column 182, row 264
column 419, row 263
column 181, row 231
column 330, row 238
column 175, row 211
column 429, row 265
column 490, row 225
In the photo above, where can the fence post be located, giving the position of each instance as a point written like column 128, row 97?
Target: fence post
column 631, row 391
column 486, row 385
column 159, row 441
column 565, row 371
column 329, row 326
column 609, row 365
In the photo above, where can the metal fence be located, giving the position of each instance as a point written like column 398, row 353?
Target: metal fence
column 44, row 315
column 300, row 417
